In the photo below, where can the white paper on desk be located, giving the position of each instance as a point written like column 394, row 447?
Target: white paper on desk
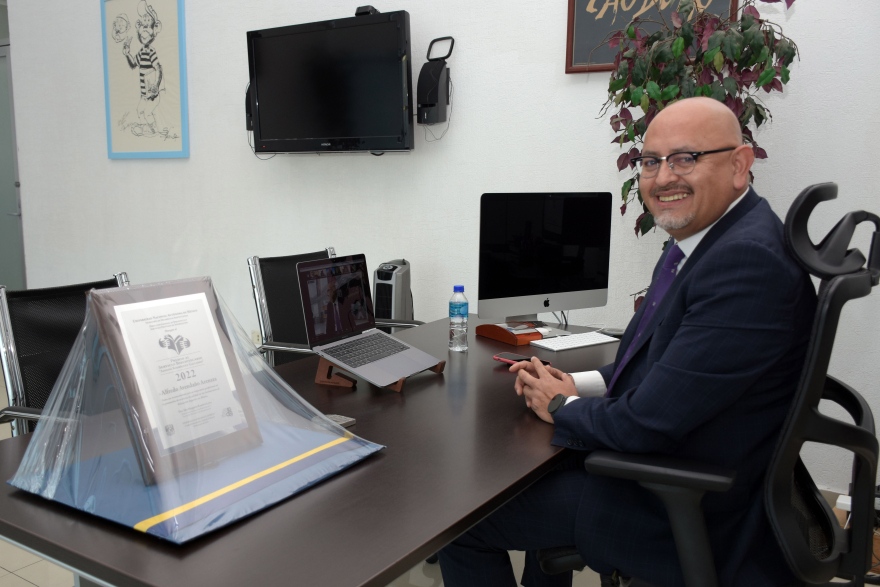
column 180, row 369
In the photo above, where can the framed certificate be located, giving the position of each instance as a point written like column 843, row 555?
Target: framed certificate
column 180, row 386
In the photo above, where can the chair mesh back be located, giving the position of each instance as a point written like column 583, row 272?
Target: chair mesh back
column 284, row 302
column 45, row 323
column 810, row 517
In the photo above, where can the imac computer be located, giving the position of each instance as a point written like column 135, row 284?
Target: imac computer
column 543, row 252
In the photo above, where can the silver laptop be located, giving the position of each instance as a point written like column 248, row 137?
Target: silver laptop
column 341, row 326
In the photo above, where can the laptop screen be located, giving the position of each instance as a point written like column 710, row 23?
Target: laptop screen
column 336, row 298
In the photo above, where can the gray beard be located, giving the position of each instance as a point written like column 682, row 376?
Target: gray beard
column 670, row 222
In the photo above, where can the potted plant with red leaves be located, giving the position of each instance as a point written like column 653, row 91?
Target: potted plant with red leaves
column 693, row 53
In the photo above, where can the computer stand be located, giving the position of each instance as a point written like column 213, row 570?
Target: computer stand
column 326, row 376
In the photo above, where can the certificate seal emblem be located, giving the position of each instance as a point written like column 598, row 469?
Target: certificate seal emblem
column 169, row 429
column 176, row 343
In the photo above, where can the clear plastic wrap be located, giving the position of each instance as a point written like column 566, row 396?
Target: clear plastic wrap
column 179, row 441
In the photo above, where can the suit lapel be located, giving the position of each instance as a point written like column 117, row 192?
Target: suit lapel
column 744, row 207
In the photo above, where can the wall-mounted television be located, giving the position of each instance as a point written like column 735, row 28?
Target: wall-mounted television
column 331, row 86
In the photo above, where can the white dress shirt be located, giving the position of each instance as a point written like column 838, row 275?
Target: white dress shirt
column 590, row 383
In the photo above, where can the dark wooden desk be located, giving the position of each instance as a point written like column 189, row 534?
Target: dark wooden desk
column 459, row 444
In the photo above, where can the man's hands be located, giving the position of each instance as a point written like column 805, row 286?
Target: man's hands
column 540, row 384
column 126, row 47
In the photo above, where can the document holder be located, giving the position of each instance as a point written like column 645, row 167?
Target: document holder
column 166, row 418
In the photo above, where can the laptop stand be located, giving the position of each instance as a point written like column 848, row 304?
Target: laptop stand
column 326, row 376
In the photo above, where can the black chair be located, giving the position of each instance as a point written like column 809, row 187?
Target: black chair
column 37, row 330
column 816, row 548
column 279, row 306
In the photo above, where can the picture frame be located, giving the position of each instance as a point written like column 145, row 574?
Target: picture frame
column 145, row 88
column 582, row 51
column 195, row 384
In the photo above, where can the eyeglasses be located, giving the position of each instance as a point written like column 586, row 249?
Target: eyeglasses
column 679, row 163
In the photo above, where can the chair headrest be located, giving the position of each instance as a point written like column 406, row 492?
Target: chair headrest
column 831, row 257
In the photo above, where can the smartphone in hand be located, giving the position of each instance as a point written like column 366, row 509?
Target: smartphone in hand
column 512, row 358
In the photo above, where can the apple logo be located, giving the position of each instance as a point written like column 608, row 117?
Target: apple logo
column 547, row 303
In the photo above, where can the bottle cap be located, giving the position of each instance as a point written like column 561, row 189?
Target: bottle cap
column 458, row 288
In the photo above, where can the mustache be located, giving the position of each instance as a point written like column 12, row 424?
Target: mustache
column 677, row 188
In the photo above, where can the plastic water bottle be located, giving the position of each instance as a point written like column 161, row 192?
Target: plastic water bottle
column 458, row 316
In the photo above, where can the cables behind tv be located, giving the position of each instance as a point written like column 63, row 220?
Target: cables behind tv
column 448, row 122
column 254, row 151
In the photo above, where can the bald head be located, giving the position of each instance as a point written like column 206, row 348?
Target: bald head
column 703, row 116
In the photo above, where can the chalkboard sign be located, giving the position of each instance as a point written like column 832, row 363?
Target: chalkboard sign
column 590, row 22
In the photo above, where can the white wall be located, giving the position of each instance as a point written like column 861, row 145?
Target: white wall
column 519, row 124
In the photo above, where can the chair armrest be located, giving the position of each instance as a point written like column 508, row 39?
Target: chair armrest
column 398, row 323
column 286, row 347
column 650, row 468
column 9, row 414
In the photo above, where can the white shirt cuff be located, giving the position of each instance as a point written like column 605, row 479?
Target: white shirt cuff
column 589, row 384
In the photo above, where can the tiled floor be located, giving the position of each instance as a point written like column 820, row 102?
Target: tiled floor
column 19, row 568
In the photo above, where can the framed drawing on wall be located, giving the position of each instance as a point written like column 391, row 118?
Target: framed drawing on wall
column 591, row 21
column 145, row 78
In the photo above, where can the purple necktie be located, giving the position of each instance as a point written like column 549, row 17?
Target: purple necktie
column 658, row 289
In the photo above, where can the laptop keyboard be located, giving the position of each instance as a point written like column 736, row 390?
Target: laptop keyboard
column 368, row 349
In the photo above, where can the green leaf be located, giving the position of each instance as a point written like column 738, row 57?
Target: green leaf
column 663, row 55
column 646, row 103
column 678, row 47
column 635, row 95
column 716, row 39
column 623, row 69
column 685, row 7
column 706, row 90
column 754, row 37
column 646, row 224
column 747, row 21
column 669, row 93
column 630, row 54
column 641, row 127
column 617, row 84
column 763, row 55
column 732, row 44
column 760, row 115
column 624, row 191
column 709, row 55
column 639, row 72
column 687, row 33
column 630, row 132
column 784, row 74
column 717, row 91
column 718, row 62
column 730, row 85
column 688, row 88
column 766, row 77
column 669, row 73
column 653, row 91
column 631, row 32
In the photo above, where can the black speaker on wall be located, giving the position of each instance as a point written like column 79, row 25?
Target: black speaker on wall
column 432, row 92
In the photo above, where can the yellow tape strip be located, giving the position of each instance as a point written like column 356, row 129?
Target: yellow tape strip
column 150, row 522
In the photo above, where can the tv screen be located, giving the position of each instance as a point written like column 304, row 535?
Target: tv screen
column 337, row 85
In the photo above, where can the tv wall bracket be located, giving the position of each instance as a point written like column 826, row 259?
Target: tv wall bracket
column 365, row 11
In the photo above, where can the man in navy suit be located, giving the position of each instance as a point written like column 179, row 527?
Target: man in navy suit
column 706, row 371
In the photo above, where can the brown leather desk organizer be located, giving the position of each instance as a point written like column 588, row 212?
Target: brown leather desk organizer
column 502, row 334
column 326, row 376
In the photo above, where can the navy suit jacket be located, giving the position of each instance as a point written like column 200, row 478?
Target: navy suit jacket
column 712, row 379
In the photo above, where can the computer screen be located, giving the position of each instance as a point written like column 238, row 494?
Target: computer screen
column 543, row 252
column 336, row 297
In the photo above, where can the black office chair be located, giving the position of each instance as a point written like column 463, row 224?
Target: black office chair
column 37, row 330
column 816, row 548
column 279, row 306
